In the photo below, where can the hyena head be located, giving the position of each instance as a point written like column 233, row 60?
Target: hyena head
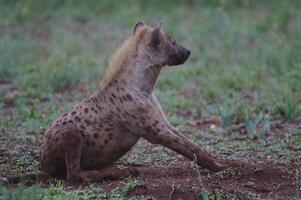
column 160, row 47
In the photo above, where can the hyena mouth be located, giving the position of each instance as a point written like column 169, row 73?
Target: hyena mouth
column 183, row 55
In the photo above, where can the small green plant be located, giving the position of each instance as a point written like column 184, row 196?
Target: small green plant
column 288, row 108
column 226, row 115
column 22, row 192
column 257, row 124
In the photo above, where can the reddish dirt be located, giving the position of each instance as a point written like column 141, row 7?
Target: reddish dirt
column 177, row 182
column 181, row 181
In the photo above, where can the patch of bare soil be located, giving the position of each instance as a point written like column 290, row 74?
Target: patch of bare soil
column 182, row 181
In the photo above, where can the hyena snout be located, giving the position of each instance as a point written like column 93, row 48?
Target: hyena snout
column 181, row 55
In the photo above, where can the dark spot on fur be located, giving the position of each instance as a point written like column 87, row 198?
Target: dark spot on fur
column 92, row 143
column 120, row 99
column 148, row 128
column 154, row 133
column 133, row 116
column 141, row 110
column 121, row 88
column 87, row 122
column 100, row 125
column 94, row 110
column 77, row 118
column 64, row 123
column 124, row 98
column 86, row 110
column 129, row 97
column 87, row 143
column 112, row 101
column 74, row 113
column 106, row 141
column 83, row 135
column 158, row 130
column 108, row 129
column 82, row 127
column 118, row 109
column 65, row 114
column 95, row 135
column 98, row 107
column 110, row 136
column 114, row 96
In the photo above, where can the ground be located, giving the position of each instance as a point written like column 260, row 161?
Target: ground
column 239, row 94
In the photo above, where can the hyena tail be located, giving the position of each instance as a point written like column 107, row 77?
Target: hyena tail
column 28, row 178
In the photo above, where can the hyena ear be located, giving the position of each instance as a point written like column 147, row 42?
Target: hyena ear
column 139, row 24
column 156, row 36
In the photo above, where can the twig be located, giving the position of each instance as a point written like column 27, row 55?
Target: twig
column 297, row 183
column 172, row 191
column 196, row 168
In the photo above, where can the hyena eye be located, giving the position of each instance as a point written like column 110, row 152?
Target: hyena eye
column 173, row 42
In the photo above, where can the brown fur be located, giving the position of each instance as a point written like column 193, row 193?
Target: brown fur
column 122, row 57
column 83, row 142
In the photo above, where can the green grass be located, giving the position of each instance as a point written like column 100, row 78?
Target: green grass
column 57, row 191
column 245, row 68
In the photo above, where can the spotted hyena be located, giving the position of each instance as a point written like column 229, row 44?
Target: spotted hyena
column 84, row 142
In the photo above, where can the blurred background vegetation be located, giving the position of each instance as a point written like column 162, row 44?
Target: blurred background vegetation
column 243, row 51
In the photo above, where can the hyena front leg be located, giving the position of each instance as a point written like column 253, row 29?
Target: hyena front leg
column 157, row 130
column 187, row 148
column 154, row 101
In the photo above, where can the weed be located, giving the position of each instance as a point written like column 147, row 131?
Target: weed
column 288, row 108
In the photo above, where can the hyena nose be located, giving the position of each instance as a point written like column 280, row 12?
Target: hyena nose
column 186, row 53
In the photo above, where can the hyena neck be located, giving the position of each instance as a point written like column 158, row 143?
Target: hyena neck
column 141, row 77
column 137, row 76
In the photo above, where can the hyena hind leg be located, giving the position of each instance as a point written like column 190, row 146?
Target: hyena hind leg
column 73, row 147
column 73, row 144
column 110, row 173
